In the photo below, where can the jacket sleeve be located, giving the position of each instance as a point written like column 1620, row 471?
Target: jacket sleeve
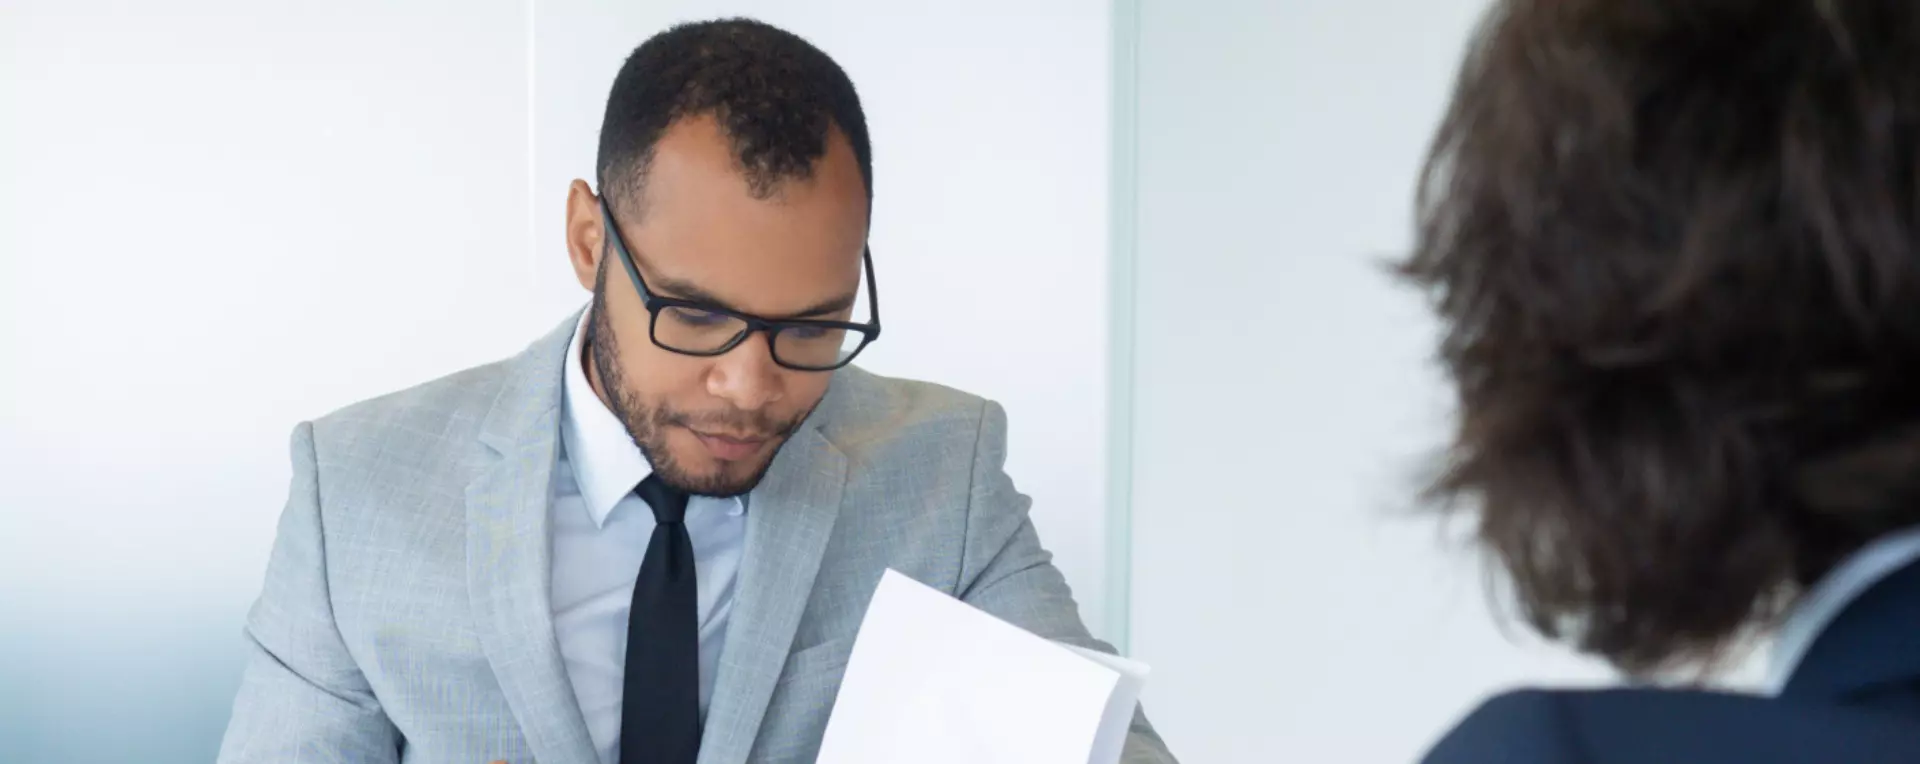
column 302, row 698
column 1006, row 572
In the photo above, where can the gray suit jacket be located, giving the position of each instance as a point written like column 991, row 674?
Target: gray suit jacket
column 405, row 614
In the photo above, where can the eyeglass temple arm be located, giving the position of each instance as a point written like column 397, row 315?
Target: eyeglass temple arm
column 873, row 292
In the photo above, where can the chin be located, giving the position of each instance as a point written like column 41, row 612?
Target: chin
column 689, row 466
column 712, row 477
column 745, row 474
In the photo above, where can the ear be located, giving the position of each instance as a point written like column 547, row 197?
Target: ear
column 585, row 234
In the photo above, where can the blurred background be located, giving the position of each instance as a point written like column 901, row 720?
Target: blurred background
column 1155, row 230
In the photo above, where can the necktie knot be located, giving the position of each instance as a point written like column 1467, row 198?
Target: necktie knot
column 669, row 504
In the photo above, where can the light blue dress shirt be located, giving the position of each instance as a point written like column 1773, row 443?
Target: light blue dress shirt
column 600, row 534
column 1838, row 589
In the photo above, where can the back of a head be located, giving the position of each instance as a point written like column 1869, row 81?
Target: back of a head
column 1673, row 245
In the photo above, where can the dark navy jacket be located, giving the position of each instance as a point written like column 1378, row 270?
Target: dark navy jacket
column 1854, row 698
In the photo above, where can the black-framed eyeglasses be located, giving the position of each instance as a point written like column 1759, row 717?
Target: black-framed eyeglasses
column 702, row 329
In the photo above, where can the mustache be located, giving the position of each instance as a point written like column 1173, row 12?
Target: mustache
column 758, row 426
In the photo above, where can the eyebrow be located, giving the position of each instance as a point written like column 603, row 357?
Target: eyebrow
column 681, row 290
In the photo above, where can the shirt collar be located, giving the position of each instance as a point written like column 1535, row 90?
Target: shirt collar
column 1839, row 588
column 605, row 461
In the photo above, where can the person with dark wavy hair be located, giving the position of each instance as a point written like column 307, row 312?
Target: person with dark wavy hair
column 1675, row 247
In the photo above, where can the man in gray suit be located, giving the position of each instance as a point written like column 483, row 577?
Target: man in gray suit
column 651, row 537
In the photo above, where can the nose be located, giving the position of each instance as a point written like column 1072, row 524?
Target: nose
column 747, row 376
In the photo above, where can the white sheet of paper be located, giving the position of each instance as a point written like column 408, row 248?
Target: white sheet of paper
column 933, row 680
column 1118, row 719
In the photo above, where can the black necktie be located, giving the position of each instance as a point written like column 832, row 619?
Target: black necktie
column 660, row 710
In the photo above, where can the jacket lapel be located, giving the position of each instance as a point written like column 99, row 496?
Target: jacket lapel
column 1874, row 644
column 509, row 555
column 789, row 519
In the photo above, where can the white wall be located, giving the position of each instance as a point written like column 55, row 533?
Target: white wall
column 1292, row 606
column 218, row 218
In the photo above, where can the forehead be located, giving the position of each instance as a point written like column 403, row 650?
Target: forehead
column 700, row 222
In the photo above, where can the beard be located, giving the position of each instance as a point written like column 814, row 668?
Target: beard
column 648, row 424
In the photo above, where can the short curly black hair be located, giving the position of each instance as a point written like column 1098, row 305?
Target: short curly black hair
column 1675, row 247
column 776, row 96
